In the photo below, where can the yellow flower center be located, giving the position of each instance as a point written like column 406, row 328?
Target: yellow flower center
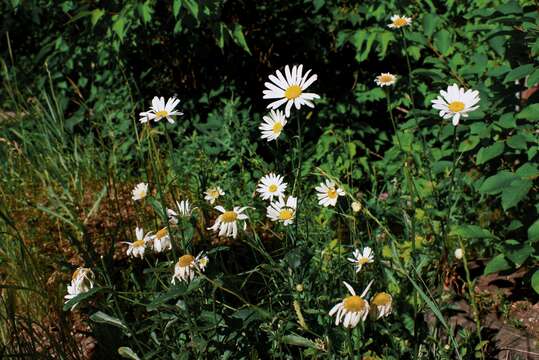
column 272, row 188
column 332, row 193
column 214, row 193
column 384, row 79
column 400, row 22
column 186, row 260
column 456, row 106
column 138, row 243
column 161, row 114
column 363, row 260
column 277, row 127
column 354, row 303
column 286, row 214
column 229, row 216
column 161, row 233
column 381, row 299
column 292, row 92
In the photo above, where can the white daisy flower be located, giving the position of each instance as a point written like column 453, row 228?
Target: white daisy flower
column 226, row 223
column 362, row 258
column 184, row 210
column 213, row 193
column 137, row 248
column 385, row 79
column 352, row 309
column 456, row 103
column 328, row 193
column 381, row 303
column 282, row 211
column 184, row 270
column 398, row 21
column 140, row 191
column 160, row 110
column 82, row 281
column 161, row 240
column 290, row 90
column 273, row 125
column 459, row 253
column 271, row 186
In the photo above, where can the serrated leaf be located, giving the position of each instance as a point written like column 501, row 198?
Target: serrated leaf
column 96, row 15
column 497, row 264
column 490, row 152
column 496, row 183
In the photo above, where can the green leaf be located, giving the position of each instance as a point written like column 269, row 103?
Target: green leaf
column 119, row 27
column 496, row 183
column 533, row 231
column 192, row 6
column 496, row 264
column 517, row 191
column 490, row 152
column 96, row 15
column 470, row 232
column 517, row 141
column 530, row 112
column 298, row 341
column 176, row 5
column 534, row 78
column 238, row 37
column 77, row 299
column 520, row 255
column 469, row 144
column 535, row 281
column 145, row 11
column 518, row 73
column 127, row 353
column 429, row 24
column 101, row 317
column 442, row 40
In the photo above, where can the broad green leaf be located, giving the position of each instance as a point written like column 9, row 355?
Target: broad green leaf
column 429, row 24
column 517, row 191
column 127, row 353
column 530, row 112
column 518, row 73
column 470, row 232
column 192, row 5
column 520, row 255
column 469, row 144
column 442, row 40
column 533, row 78
column 119, row 27
column 96, row 15
column 496, row 183
column 535, row 281
column 517, row 142
column 176, row 5
column 496, row 264
column 145, row 11
column 101, row 317
column 490, row 152
column 298, row 341
column 533, row 231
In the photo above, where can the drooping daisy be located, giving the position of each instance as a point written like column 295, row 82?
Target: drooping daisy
column 140, row 191
column 137, row 248
column 82, row 281
column 398, row 21
column 381, row 303
column 283, row 211
column 290, row 90
column 184, row 270
column 271, row 186
column 356, row 206
column 226, row 223
column 273, row 125
column 456, row 102
column 184, row 210
column 160, row 110
column 161, row 240
column 352, row 309
column 459, row 253
column 361, row 258
column 385, row 79
column 213, row 193
column 328, row 193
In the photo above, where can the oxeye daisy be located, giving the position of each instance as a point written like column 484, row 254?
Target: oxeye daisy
column 184, row 210
column 137, row 248
column 273, row 125
column 271, row 186
column 361, row 258
column 160, row 110
column 385, row 79
column 140, row 191
column 381, row 303
column 226, row 223
column 352, row 309
column 283, row 211
column 456, row 103
column 398, row 21
column 328, row 193
column 213, row 193
column 184, row 270
column 290, row 90
column 82, row 281
column 161, row 240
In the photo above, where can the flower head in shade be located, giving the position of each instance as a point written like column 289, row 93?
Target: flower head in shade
column 356, row 206
column 226, row 223
column 456, row 103
column 271, row 186
column 184, row 210
column 352, row 309
column 140, row 191
column 290, row 89
column 213, row 193
column 381, row 303
column 82, row 281
column 273, row 125
column 137, row 248
column 459, row 253
column 328, row 193
column 161, row 110
column 361, row 258
column 385, row 79
column 161, row 240
column 283, row 211
column 398, row 21
column 185, row 268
